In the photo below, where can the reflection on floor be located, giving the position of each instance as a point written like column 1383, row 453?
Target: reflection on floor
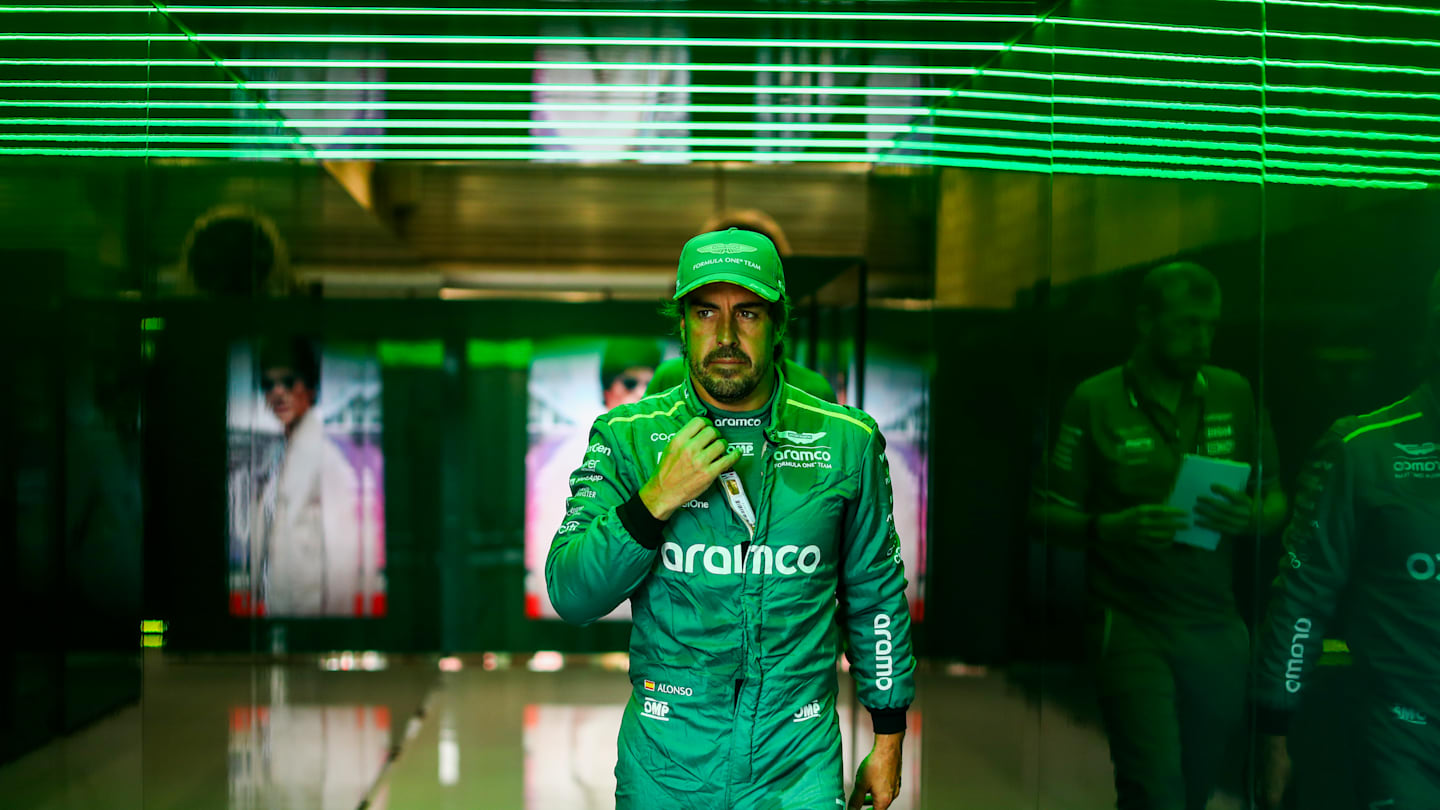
column 495, row 731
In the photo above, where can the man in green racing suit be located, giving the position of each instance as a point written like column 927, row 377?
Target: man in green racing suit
column 734, row 647
column 1366, row 534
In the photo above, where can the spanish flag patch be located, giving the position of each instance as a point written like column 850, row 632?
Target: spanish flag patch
column 650, row 685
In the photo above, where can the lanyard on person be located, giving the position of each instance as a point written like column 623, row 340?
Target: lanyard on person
column 1171, row 438
column 739, row 504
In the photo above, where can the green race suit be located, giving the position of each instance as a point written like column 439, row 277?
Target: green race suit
column 735, row 640
column 1366, row 533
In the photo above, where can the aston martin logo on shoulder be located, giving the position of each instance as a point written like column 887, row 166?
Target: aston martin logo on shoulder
column 800, row 438
column 1417, row 449
column 727, row 247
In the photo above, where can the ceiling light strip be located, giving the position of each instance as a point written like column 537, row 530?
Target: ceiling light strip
column 1039, row 120
column 1368, row 7
column 437, row 39
column 687, row 126
column 688, row 144
column 752, row 157
column 362, row 11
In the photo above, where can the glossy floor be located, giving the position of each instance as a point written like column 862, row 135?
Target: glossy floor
column 506, row 733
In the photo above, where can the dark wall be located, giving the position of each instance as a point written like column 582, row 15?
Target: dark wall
column 454, row 444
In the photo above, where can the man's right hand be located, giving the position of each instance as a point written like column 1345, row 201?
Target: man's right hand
column 691, row 462
column 1274, row 773
column 1152, row 526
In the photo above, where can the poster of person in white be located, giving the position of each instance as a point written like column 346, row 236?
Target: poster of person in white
column 572, row 381
column 305, row 473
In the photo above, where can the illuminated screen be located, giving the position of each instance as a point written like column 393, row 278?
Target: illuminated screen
column 897, row 396
column 305, row 480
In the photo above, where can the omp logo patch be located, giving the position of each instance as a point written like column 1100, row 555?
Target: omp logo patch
column 800, row 438
column 810, row 711
column 1405, row 714
column 656, row 709
column 1416, row 461
column 747, row 449
column 727, row 248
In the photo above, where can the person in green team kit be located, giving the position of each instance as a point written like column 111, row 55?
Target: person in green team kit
column 674, row 371
column 740, row 516
column 1164, row 635
column 1366, row 525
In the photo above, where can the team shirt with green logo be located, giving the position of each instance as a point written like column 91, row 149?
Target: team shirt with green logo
column 1118, row 449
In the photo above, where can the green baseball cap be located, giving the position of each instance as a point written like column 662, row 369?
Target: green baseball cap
column 739, row 257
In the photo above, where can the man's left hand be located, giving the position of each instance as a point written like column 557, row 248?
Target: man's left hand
column 1231, row 513
column 877, row 782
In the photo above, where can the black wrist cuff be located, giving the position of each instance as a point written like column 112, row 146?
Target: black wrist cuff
column 1275, row 722
column 636, row 518
column 888, row 721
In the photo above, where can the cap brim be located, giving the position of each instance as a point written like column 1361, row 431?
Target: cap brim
column 768, row 293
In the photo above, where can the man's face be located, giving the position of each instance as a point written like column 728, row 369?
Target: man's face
column 729, row 340
column 286, row 395
column 629, row 386
column 1181, row 334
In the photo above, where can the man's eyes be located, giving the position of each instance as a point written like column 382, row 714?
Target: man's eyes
column 747, row 314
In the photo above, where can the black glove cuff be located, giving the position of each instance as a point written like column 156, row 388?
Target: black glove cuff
column 636, row 518
column 888, row 721
column 1275, row 722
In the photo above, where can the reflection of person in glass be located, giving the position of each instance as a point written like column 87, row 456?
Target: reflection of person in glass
column 1366, row 525
column 1163, row 631
column 625, row 370
column 308, row 549
column 732, row 658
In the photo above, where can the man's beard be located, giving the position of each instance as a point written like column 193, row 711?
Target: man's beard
column 734, row 386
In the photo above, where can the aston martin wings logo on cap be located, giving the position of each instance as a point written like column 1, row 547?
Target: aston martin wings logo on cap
column 727, row 247
column 1417, row 449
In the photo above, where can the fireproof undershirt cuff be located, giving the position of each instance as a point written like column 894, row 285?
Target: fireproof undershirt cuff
column 636, row 518
column 1275, row 722
column 888, row 721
